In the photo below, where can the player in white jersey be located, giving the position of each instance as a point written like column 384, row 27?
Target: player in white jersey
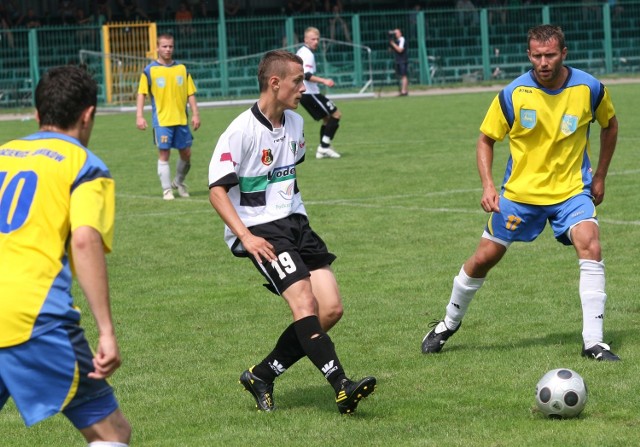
column 252, row 184
column 318, row 105
column 266, row 179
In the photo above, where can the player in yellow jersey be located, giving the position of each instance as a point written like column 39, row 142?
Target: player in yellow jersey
column 547, row 114
column 57, row 206
column 170, row 87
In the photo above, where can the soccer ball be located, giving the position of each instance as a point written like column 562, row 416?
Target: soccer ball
column 561, row 393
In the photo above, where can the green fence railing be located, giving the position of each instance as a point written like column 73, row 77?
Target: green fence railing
column 446, row 46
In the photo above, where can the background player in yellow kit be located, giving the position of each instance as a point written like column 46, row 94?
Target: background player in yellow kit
column 170, row 87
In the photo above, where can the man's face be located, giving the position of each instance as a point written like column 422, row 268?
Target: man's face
column 547, row 59
column 291, row 86
column 165, row 50
column 311, row 40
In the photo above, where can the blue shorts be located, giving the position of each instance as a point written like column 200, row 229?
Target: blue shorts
column 178, row 137
column 524, row 223
column 48, row 374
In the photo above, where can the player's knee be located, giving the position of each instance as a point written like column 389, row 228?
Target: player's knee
column 590, row 250
column 334, row 313
column 329, row 317
column 122, row 427
column 113, row 428
column 480, row 264
column 586, row 240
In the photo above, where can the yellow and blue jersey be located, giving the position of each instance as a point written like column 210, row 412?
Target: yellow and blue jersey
column 169, row 87
column 548, row 135
column 50, row 184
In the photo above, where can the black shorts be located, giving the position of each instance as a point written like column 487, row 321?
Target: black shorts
column 317, row 105
column 402, row 68
column 298, row 248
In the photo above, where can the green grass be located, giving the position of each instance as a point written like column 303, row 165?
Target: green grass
column 401, row 211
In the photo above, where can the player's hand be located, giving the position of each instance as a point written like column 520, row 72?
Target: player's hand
column 597, row 190
column 490, row 200
column 107, row 358
column 195, row 122
column 259, row 248
column 329, row 83
column 141, row 123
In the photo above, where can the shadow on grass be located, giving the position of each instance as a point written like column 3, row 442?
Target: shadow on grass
column 614, row 337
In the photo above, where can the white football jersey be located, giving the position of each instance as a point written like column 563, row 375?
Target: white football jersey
column 258, row 164
column 309, row 66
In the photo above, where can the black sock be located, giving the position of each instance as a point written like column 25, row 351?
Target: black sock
column 331, row 127
column 287, row 352
column 320, row 349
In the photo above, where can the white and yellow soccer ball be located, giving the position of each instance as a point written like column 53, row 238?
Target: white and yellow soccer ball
column 561, row 393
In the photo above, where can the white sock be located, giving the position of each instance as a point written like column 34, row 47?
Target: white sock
column 164, row 172
column 107, row 444
column 182, row 168
column 593, row 299
column 464, row 289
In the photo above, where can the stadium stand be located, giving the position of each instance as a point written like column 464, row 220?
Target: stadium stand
column 448, row 54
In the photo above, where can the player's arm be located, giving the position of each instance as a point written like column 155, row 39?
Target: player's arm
column 397, row 48
column 195, row 114
column 256, row 246
column 313, row 78
column 89, row 261
column 608, row 140
column 484, row 159
column 141, row 123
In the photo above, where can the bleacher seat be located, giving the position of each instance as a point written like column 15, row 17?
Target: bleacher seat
column 457, row 51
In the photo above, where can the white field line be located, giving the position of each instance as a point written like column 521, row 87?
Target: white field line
column 359, row 202
column 628, row 172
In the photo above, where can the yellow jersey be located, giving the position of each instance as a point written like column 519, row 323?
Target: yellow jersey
column 548, row 135
column 50, row 184
column 169, row 87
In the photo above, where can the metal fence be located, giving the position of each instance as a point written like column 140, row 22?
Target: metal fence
column 446, row 46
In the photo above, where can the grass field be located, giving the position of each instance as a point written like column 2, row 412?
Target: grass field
column 401, row 211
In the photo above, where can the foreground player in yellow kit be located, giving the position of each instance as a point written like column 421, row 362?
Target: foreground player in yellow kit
column 547, row 114
column 57, row 206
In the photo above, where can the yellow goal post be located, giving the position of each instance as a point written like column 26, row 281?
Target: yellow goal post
column 137, row 40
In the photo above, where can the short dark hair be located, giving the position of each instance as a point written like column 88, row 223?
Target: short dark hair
column 274, row 63
column 165, row 36
column 544, row 33
column 63, row 93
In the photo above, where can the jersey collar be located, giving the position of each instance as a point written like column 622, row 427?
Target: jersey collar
column 263, row 119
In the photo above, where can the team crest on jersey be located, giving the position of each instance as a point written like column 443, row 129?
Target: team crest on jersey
column 161, row 82
column 528, row 118
column 294, row 147
column 180, row 80
column 569, row 124
column 267, row 157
